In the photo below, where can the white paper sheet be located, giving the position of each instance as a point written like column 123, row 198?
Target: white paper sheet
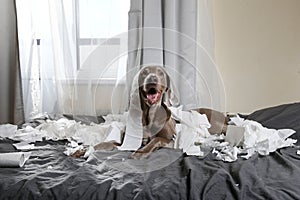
column 193, row 125
column 235, row 135
column 8, row 130
column 24, row 146
column 134, row 128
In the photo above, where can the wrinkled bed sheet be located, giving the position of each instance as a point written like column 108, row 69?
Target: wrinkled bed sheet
column 166, row 174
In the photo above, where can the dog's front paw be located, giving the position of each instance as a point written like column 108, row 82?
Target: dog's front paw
column 79, row 153
column 138, row 155
column 109, row 146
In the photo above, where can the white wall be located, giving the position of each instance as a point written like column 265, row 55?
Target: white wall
column 258, row 52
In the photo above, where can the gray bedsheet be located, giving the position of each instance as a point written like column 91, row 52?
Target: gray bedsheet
column 166, row 174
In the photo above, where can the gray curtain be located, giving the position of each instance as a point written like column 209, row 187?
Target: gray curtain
column 11, row 107
column 177, row 34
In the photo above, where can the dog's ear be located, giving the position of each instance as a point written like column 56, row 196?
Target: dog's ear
column 167, row 79
column 142, row 96
column 168, row 82
column 171, row 96
column 166, row 99
column 168, row 111
column 167, row 94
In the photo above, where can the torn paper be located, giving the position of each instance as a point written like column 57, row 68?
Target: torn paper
column 242, row 137
column 24, row 146
column 227, row 153
column 263, row 140
column 193, row 126
column 8, row 130
column 134, row 127
column 235, row 135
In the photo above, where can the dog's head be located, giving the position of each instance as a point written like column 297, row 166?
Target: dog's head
column 153, row 83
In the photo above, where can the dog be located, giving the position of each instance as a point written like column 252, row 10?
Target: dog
column 158, row 125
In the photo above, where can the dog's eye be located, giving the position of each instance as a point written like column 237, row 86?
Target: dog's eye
column 145, row 71
column 160, row 73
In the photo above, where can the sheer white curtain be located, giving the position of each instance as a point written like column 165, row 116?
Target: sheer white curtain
column 47, row 54
column 72, row 55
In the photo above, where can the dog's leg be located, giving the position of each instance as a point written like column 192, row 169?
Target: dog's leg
column 217, row 120
column 106, row 145
column 154, row 144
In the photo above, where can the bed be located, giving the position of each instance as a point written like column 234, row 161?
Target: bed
column 166, row 174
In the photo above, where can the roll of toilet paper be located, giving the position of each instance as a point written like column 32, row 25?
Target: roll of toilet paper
column 14, row 159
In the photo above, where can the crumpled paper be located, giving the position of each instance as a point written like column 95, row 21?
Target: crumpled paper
column 261, row 139
column 243, row 137
column 8, row 130
column 192, row 127
column 63, row 128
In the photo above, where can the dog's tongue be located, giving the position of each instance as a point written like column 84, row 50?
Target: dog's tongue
column 153, row 98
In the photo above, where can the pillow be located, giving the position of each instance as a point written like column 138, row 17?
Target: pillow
column 280, row 117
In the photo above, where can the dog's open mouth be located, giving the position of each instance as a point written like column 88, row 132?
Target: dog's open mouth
column 153, row 96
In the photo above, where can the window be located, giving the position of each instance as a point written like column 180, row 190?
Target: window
column 102, row 38
column 65, row 40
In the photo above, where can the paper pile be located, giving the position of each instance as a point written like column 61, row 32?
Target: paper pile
column 243, row 137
